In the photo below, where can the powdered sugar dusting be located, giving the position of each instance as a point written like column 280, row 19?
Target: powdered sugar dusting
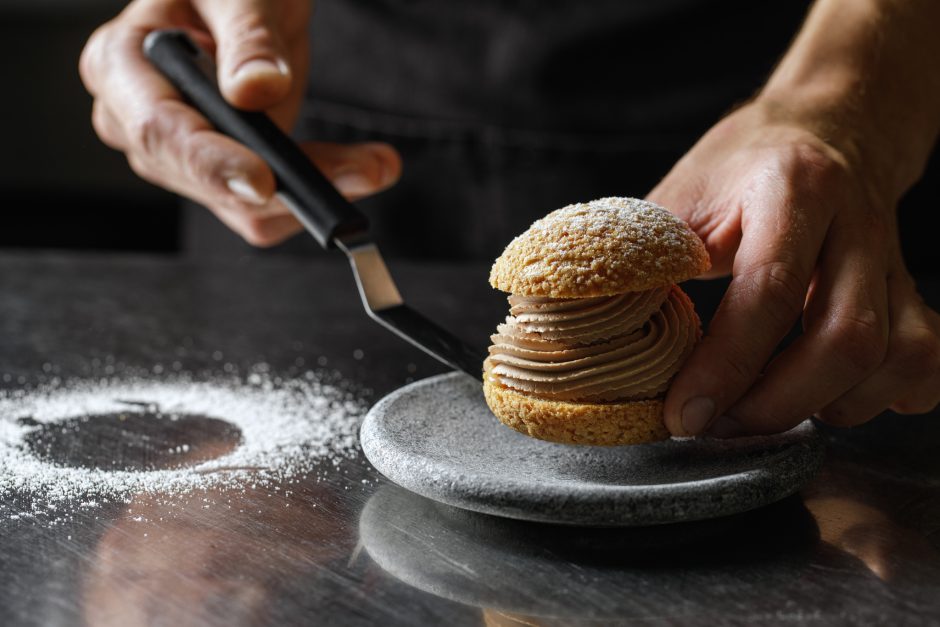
column 288, row 426
column 603, row 247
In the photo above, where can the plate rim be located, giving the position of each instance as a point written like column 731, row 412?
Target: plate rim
column 613, row 498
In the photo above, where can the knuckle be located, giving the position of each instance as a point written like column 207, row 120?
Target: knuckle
column 917, row 354
column 90, row 58
column 146, row 131
column 857, row 338
column 250, row 31
column 779, row 290
column 733, row 360
column 101, row 125
column 137, row 165
column 784, row 287
column 814, row 165
column 160, row 127
column 195, row 160
column 811, row 174
column 736, row 365
column 141, row 168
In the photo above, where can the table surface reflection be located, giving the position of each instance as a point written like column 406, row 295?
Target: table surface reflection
column 343, row 546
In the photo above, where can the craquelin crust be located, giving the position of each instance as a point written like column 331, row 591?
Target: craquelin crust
column 603, row 247
column 598, row 424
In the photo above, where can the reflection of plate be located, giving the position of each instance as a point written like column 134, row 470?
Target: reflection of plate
column 698, row 573
column 437, row 437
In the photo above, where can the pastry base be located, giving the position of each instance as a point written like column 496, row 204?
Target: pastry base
column 597, row 424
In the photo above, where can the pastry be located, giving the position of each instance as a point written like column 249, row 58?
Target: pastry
column 597, row 326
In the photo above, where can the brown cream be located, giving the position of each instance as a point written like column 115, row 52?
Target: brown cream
column 604, row 349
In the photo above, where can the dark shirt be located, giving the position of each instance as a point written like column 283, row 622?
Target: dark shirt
column 609, row 73
column 507, row 109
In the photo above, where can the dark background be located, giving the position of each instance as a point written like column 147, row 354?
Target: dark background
column 63, row 189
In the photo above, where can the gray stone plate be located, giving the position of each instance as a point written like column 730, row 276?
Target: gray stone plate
column 438, row 438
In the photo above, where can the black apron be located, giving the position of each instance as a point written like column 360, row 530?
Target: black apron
column 504, row 110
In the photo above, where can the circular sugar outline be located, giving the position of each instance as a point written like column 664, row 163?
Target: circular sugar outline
column 284, row 429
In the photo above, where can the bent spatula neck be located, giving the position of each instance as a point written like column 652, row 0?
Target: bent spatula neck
column 376, row 286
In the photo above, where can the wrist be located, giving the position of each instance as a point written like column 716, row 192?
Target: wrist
column 831, row 112
column 860, row 77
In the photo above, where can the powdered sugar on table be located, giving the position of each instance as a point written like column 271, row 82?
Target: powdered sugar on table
column 288, row 426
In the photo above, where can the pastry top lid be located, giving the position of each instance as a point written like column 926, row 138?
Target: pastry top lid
column 602, row 247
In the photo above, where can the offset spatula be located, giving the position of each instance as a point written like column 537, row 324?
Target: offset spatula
column 329, row 217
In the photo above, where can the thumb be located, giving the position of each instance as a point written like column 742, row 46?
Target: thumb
column 253, row 70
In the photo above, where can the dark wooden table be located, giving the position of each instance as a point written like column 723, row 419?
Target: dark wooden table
column 858, row 546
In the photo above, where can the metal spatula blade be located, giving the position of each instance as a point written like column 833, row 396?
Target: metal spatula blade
column 327, row 216
column 386, row 306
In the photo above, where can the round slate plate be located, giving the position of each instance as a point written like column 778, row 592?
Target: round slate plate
column 438, row 438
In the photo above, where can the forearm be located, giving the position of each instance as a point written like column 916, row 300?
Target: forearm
column 862, row 75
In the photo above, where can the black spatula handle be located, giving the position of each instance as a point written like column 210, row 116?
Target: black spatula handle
column 315, row 202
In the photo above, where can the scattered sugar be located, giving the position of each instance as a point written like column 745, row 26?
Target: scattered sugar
column 288, row 427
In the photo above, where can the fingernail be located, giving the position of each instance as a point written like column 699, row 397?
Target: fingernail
column 261, row 67
column 726, row 427
column 697, row 413
column 245, row 190
column 353, row 183
column 386, row 172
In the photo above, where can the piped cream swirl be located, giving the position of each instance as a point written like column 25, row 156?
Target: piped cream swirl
column 603, row 349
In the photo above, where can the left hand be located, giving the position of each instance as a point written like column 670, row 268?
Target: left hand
column 802, row 232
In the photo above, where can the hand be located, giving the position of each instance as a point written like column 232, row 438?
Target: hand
column 261, row 52
column 802, row 233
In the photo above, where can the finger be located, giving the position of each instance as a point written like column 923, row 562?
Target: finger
column 844, row 341
column 166, row 140
column 121, row 39
column 920, row 351
column 357, row 170
column 259, row 228
column 259, row 225
column 177, row 145
column 91, row 60
column 909, row 378
column 274, row 230
column 717, row 222
column 251, row 54
column 107, row 126
column 772, row 269
column 287, row 111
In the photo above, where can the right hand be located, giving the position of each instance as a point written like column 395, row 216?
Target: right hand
column 808, row 235
column 261, row 52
